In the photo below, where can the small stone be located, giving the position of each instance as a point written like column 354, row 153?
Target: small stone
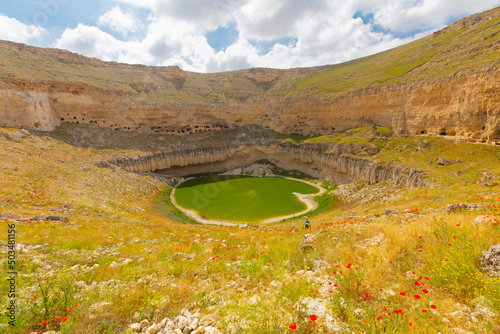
column 144, row 324
column 181, row 322
column 423, row 144
column 211, row 330
column 153, row 329
column 169, row 326
column 135, row 327
column 481, row 220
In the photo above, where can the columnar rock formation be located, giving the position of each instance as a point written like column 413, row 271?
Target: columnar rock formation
column 333, row 162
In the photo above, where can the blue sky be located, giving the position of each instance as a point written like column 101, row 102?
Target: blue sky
column 220, row 35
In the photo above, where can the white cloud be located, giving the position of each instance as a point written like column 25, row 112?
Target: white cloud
column 410, row 15
column 321, row 31
column 93, row 42
column 119, row 21
column 16, row 31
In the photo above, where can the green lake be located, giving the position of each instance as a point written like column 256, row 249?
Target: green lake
column 242, row 199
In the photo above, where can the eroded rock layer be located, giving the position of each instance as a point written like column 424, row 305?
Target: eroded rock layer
column 445, row 83
column 332, row 162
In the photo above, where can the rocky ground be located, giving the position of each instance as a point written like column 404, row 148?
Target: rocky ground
column 97, row 251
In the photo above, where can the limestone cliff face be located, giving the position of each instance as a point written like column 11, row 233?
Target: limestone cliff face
column 446, row 83
column 332, row 162
column 466, row 106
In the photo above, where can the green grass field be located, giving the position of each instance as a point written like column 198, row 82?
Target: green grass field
column 242, row 199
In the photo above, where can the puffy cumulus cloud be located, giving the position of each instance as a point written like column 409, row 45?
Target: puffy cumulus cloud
column 294, row 33
column 119, row 21
column 93, row 42
column 205, row 15
column 16, row 31
column 414, row 15
column 268, row 20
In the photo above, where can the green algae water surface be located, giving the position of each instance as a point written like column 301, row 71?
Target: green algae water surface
column 242, row 199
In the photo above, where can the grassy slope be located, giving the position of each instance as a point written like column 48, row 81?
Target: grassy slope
column 425, row 60
column 249, row 280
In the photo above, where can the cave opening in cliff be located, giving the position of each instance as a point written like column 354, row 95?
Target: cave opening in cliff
column 442, row 132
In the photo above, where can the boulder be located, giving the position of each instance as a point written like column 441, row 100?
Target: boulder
column 183, row 256
column 12, row 136
column 307, row 242
column 490, row 261
column 443, row 162
column 389, row 212
column 61, row 219
column 460, row 207
column 487, row 177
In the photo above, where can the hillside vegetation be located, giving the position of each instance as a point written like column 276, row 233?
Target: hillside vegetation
column 469, row 44
column 123, row 257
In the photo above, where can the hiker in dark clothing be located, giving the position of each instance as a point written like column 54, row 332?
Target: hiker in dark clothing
column 308, row 224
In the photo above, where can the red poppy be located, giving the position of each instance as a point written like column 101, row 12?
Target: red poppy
column 44, row 323
column 403, row 294
column 417, row 296
column 293, row 326
column 64, row 320
column 417, row 283
column 433, row 307
column 313, row 317
column 425, row 291
column 58, row 318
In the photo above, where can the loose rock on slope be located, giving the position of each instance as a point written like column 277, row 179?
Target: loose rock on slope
column 490, row 261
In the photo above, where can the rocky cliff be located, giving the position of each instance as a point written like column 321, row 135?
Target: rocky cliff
column 333, row 162
column 446, row 83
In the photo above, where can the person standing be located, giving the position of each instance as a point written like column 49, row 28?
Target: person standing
column 308, row 223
